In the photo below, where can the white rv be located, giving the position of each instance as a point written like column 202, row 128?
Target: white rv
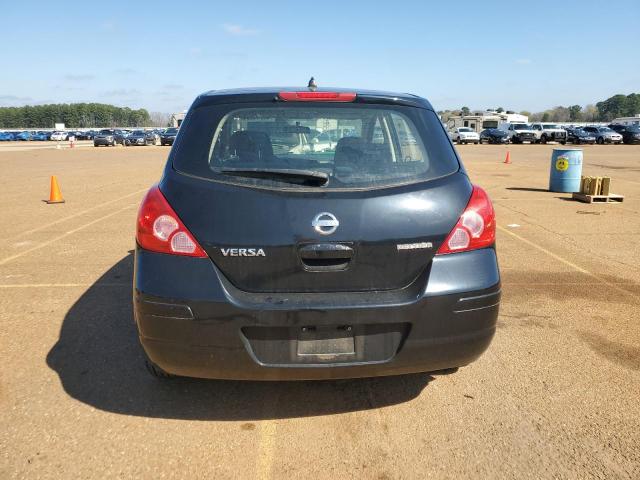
column 627, row 120
column 481, row 120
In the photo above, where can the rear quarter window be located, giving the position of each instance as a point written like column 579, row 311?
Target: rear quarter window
column 355, row 146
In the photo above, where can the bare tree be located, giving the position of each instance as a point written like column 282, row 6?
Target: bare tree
column 590, row 113
column 159, row 119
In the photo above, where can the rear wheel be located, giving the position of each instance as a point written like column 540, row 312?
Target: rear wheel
column 445, row 371
column 600, row 141
column 156, row 371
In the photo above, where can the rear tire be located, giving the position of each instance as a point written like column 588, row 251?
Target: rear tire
column 600, row 141
column 156, row 371
column 445, row 371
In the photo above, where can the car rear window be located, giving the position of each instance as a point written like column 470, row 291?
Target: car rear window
column 351, row 146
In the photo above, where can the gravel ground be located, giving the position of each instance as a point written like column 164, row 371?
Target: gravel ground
column 555, row 396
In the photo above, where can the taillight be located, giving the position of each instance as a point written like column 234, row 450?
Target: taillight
column 317, row 96
column 160, row 230
column 476, row 227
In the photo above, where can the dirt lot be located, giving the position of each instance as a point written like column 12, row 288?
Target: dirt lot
column 556, row 396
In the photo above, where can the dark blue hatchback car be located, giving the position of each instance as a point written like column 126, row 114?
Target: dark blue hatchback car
column 313, row 234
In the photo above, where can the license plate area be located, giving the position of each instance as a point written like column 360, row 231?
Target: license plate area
column 324, row 344
column 326, row 341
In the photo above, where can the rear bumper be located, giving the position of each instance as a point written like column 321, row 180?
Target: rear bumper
column 193, row 322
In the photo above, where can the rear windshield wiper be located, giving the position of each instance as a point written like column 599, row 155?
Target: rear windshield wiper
column 306, row 177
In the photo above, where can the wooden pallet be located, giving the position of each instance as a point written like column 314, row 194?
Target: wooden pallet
column 595, row 185
column 586, row 198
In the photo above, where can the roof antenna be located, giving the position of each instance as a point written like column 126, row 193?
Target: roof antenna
column 312, row 84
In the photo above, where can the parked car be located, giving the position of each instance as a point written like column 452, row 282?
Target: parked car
column 105, row 137
column 23, row 136
column 156, row 135
column 375, row 259
column 549, row 132
column 7, row 136
column 59, row 136
column 122, row 137
column 464, row 135
column 578, row 136
column 39, row 136
column 79, row 135
column 168, row 136
column 604, row 134
column 140, row 137
column 519, row 132
column 89, row 134
column 86, row 135
column 494, row 135
column 630, row 133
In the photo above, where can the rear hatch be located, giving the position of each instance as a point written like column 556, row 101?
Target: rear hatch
column 316, row 197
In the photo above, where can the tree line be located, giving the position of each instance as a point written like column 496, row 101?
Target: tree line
column 605, row 111
column 74, row 115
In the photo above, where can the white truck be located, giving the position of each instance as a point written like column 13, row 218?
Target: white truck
column 549, row 132
column 519, row 132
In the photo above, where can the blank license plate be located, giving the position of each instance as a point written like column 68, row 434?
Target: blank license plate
column 326, row 341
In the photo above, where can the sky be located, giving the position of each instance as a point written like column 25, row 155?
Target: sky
column 160, row 55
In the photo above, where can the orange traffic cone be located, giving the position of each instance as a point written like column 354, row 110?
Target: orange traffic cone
column 507, row 160
column 55, row 196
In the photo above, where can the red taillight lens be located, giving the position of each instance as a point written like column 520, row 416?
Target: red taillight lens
column 160, row 230
column 317, row 96
column 476, row 227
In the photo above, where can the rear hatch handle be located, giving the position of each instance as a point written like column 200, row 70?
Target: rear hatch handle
column 326, row 257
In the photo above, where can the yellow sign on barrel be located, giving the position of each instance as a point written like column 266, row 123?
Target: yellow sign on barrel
column 562, row 163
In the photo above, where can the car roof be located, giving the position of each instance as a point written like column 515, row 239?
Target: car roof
column 265, row 94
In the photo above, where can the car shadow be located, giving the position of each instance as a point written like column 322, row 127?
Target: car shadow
column 100, row 363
